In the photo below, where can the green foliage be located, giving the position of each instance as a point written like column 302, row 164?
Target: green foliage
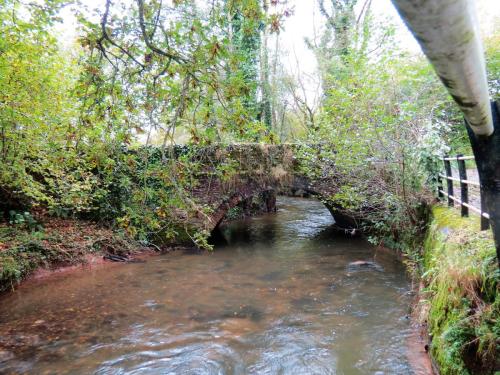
column 70, row 120
column 245, row 23
column 40, row 143
column 151, row 195
column 158, row 69
column 384, row 120
column 234, row 213
column 148, row 72
column 492, row 49
column 379, row 142
column 24, row 219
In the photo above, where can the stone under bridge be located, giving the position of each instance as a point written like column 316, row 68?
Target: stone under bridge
column 257, row 170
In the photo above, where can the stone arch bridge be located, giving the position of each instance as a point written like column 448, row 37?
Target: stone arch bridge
column 232, row 175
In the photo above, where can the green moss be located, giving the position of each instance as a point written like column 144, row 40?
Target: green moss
column 462, row 278
column 444, row 217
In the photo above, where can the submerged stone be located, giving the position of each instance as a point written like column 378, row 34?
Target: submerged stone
column 245, row 312
column 362, row 265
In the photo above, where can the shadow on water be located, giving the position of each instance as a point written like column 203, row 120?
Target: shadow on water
column 280, row 293
column 241, row 233
column 217, row 237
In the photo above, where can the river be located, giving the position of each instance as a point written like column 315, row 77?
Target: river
column 281, row 296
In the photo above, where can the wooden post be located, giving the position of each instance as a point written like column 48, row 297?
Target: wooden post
column 447, row 167
column 464, row 188
column 440, row 187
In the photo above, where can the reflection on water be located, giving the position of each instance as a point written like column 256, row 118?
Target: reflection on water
column 280, row 297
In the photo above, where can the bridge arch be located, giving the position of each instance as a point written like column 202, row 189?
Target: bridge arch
column 296, row 186
column 229, row 175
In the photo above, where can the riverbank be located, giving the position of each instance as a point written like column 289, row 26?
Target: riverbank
column 459, row 297
column 57, row 243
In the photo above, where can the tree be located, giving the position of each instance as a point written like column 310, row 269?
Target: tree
column 245, row 20
column 346, row 35
column 162, row 67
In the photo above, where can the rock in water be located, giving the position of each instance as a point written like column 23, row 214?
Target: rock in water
column 363, row 265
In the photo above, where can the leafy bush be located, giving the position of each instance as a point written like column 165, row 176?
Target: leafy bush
column 24, row 219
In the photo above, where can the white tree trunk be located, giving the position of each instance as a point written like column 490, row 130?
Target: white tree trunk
column 448, row 33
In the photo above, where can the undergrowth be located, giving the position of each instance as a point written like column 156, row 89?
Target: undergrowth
column 18, row 262
column 61, row 242
column 461, row 299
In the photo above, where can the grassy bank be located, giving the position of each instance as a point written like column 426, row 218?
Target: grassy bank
column 53, row 243
column 461, row 298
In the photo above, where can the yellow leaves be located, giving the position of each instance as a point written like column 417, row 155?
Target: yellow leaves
column 275, row 24
column 92, row 163
column 251, row 10
column 124, row 221
column 161, row 213
column 215, row 49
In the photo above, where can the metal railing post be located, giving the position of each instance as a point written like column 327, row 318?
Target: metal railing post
column 487, row 154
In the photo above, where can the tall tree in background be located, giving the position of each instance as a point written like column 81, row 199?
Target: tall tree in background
column 251, row 25
column 245, row 43
column 275, row 13
column 264, row 72
column 159, row 67
column 340, row 24
column 346, row 35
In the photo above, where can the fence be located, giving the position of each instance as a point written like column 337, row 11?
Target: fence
column 464, row 200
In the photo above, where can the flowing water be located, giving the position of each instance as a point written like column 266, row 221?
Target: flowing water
column 282, row 296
